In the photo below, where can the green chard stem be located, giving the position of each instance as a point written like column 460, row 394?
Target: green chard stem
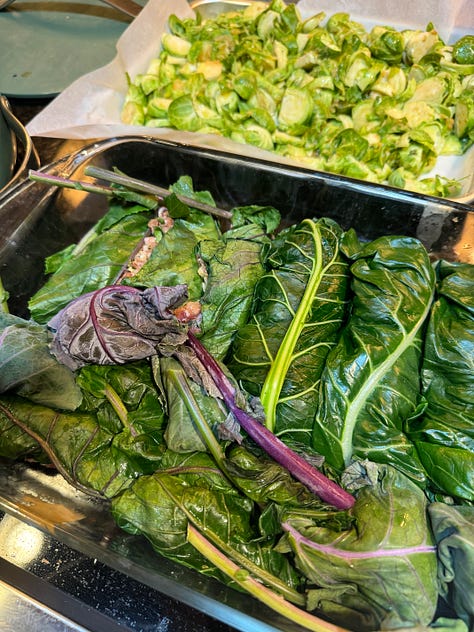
column 152, row 189
column 90, row 187
column 241, row 577
column 119, row 407
column 214, row 447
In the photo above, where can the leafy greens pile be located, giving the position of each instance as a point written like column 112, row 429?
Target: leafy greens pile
column 378, row 106
column 288, row 411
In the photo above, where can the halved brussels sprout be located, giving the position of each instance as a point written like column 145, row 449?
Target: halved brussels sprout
column 391, row 81
column 362, row 70
column 133, row 114
column 157, row 107
column 227, row 101
column 182, row 114
column 296, row 108
column 175, row 45
column 463, row 50
column 255, row 135
column 262, row 99
column 283, row 138
column 314, row 21
column 263, row 118
column 266, row 23
column 210, row 69
column 176, row 25
column 386, row 44
column 291, row 18
column 418, row 44
column 464, row 114
column 208, row 116
column 364, row 117
column 432, row 90
column 245, row 84
column 417, row 112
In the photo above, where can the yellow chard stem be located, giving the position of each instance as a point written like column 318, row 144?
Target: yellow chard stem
column 241, row 577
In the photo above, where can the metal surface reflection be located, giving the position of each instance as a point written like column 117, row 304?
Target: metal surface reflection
column 19, row 542
column 20, row 612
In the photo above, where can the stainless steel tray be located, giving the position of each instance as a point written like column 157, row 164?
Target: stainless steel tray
column 17, row 152
column 37, row 221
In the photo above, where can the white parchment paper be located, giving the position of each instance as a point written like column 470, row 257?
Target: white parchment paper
column 90, row 107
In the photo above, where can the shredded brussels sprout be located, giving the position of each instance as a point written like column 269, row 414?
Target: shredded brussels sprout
column 377, row 105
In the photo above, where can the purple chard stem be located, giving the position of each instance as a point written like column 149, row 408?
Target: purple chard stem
column 303, row 471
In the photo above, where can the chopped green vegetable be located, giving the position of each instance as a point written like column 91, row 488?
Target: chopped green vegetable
column 463, row 50
column 265, row 77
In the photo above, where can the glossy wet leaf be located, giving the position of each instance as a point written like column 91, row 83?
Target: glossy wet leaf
column 444, row 435
column 370, row 385
column 379, row 574
column 28, row 368
column 300, row 304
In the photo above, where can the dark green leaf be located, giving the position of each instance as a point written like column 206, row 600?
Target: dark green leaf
column 379, row 574
column 15, row 443
column 444, row 435
column 300, row 306
column 96, row 266
column 191, row 489
column 453, row 528
column 234, row 266
column 370, row 385
column 173, row 261
column 88, row 456
column 267, row 217
column 28, row 368
column 181, row 433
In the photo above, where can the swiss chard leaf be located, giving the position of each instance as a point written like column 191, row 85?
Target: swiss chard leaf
column 444, row 435
column 190, row 489
column 117, row 211
column 454, row 534
column 118, row 324
column 75, row 444
column 97, row 265
column 173, row 260
column 181, row 434
column 114, row 391
column 264, row 480
column 234, row 266
column 184, row 186
column 370, row 384
column 28, row 368
column 90, row 457
column 15, row 443
column 126, row 403
column 379, row 574
column 300, row 306
column 267, row 217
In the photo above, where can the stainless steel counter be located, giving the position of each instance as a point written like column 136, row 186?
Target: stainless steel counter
column 46, row 586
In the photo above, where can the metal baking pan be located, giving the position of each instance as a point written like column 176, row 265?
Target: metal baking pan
column 37, row 220
column 17, row 152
